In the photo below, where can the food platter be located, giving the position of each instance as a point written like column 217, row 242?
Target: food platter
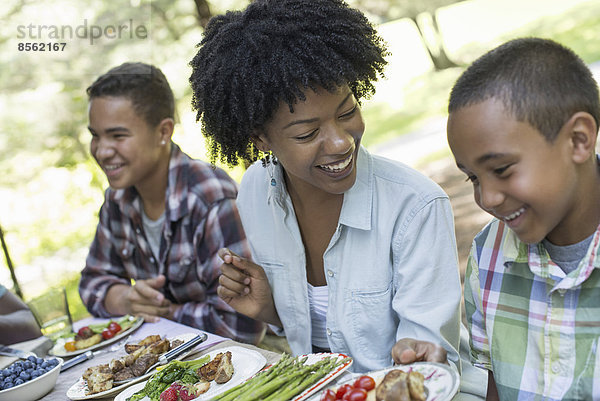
column 59, row 349
column 441, row 381
column 78, row 390
column 246, row 363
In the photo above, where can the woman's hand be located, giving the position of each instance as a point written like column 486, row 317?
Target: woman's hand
column 244, row 286
column 142, row 299
column 409, row 350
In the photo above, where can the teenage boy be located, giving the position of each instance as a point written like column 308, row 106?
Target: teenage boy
column 164, row 217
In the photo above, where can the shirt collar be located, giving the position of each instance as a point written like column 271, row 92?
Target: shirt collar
column 358, row 200
column 537, row 258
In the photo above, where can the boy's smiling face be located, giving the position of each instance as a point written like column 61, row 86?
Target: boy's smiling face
column 517, row 175
column 123, row 144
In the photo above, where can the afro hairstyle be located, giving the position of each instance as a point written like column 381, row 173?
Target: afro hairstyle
column 251, row 61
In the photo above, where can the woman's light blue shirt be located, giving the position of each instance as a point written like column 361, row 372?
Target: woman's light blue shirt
column 391, row 266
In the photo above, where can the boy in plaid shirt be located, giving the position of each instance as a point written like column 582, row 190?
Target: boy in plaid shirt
column 523, row 121
column 164, row 217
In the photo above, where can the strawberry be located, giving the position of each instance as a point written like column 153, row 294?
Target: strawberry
column 188, row 392
column 170, row 394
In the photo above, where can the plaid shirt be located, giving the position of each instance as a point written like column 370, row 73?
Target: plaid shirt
column 531, row 324
column 200, row 217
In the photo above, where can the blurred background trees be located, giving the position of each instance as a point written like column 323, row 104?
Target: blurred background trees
column 50, row 188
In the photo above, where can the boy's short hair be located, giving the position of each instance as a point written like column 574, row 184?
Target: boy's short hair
column 539, row 81
column 249, row 61
column 144, row 85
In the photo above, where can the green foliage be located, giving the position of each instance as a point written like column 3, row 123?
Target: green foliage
column 50, row 187
column 426, row 96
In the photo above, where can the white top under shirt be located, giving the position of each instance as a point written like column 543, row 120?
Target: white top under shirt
column 318, row 300
column 153, row 230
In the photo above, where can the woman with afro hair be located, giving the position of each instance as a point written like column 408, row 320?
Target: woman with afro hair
column 352, row 253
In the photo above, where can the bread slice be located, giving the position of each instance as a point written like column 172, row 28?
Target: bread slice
column 416, row 386
column 393, row 387
column 225, row 369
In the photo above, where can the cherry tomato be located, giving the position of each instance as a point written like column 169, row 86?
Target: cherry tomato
column 328, row 395
column 85, row 332
column 106, row 334
column 343, row 389
column 356, row 394
column 366, row 382
column 70, row 346
column 114, row 327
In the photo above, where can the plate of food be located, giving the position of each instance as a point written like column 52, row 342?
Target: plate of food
column 94, row 336
column 419, row 381
column 106, row 380
column 215, row 373
column 291, row 378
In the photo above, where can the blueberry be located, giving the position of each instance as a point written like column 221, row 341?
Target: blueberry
column 25, row 376
column 32, row 358
column 19, row 381
column 39, row 360
column 8, row 385
column 44, row 364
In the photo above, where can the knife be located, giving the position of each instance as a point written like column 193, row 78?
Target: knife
column 169, row 356
column 7, row 351
column 76, row 360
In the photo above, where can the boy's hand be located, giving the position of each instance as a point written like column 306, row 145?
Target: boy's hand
column 142, row 299
column 409, row 350
column 244, row 286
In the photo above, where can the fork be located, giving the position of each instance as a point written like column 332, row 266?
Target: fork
column 91, row 354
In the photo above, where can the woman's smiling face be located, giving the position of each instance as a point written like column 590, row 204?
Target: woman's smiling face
column 317, row 144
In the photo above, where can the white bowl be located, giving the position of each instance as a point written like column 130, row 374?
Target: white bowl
column 33, row 389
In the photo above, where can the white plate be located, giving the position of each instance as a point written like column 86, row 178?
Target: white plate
column 78, row 390
column 312, row 358
column 246, row 363
column 59, row 349
column 441, row 380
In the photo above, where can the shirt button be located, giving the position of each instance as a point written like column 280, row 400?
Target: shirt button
column 329, row 273
column 151, row 259
column 137, row 230
column 328, row 332
column 187, row 261
column 124, row 252
column 555, row 367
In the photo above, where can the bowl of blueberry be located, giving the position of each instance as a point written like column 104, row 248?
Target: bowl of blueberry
column 29, row 379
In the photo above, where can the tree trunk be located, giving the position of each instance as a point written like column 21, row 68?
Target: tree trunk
column 17, row 288
column 432, row 39
column 203, row 12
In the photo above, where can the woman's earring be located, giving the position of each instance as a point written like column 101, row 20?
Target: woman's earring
column 269, row 161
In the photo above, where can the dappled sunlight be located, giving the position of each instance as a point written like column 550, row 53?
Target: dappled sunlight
column 49, row 213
